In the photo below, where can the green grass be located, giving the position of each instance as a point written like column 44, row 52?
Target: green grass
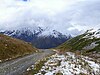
column 37, row 67
column 13, row 48
column 78, row 43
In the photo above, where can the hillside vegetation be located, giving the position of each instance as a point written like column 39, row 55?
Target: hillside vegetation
column 87, row 44
column 12, row 48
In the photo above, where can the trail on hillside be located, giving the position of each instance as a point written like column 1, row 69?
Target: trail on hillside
column 20, row 65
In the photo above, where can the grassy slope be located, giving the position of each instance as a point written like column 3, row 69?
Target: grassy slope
column 77, row 44
column 12, row 48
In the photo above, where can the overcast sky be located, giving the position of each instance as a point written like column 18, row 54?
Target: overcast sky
column 66, row 16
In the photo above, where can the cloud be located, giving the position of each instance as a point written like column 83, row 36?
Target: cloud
column 66, row 16
column 87, row 15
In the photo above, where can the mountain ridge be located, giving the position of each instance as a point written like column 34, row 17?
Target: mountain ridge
column 39, row 37
column 86, row 44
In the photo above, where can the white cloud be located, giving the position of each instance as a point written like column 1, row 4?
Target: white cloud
column 67, row 16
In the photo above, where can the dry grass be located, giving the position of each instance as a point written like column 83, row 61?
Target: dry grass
column 12, row 48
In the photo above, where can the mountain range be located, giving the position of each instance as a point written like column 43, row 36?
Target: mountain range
column 39, row 37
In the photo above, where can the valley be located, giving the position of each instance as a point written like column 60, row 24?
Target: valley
column 39, row 37
column 78, row 56
column 49, row 37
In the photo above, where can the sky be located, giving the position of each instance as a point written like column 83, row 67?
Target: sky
column 66, row 16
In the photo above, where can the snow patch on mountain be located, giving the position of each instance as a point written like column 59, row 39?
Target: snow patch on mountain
column 91, row 46
column 53, row 33
column 90, row 34
column 37, row 31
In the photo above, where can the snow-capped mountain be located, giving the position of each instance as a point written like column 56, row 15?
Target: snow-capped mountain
column 39, row 37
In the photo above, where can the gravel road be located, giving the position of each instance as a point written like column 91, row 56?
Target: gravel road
column 18, row 66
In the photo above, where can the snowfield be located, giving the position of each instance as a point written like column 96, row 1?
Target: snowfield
column 70, row 64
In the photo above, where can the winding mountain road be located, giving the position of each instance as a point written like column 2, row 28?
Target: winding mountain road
column 20, row 65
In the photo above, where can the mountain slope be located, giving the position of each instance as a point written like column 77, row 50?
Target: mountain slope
column 39, row 37
column 87, row 43
column 12, row 48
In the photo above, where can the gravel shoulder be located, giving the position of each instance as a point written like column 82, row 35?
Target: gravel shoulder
column 18, row 66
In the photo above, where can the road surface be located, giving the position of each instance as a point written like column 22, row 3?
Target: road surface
column 18, row 66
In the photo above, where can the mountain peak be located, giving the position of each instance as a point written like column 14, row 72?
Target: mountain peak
column 39, row 37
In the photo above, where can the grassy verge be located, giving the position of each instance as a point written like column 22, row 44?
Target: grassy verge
column 38, row 65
